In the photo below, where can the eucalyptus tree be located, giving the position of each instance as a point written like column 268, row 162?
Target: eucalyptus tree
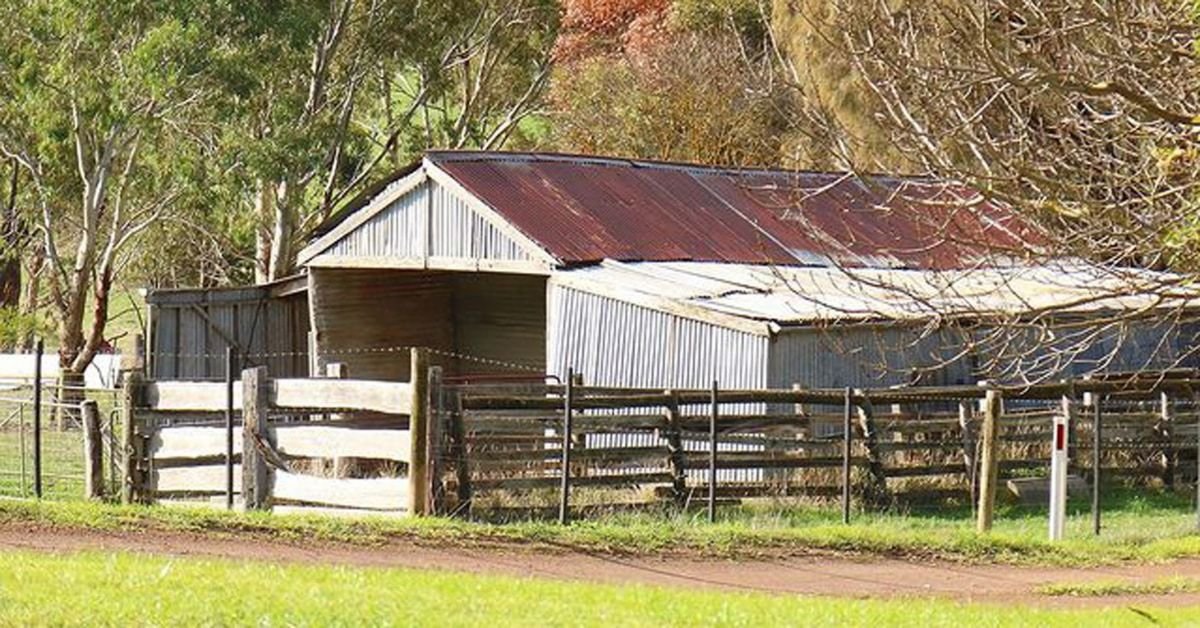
column 329, row 92
column 98, row 106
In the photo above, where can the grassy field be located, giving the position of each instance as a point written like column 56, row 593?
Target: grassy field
column 126, row 589
column 1140, row 526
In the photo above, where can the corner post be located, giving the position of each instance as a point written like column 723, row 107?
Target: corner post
column 418, row 426
column 131, row 393
column 93, row 450
column 256, row 479
column 989, row 463
column 877, row 493
column 675, row 453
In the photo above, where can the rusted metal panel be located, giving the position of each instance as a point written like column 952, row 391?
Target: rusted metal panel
column 586, row 209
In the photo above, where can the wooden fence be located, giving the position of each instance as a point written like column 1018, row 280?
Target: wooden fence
column 281, row 444
column 917, row 445
column 369, row 446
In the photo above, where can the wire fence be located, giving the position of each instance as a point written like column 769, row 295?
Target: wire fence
column 42, row 441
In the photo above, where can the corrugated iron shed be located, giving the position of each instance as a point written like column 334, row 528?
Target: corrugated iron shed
column 586, row 209
column 757, row 298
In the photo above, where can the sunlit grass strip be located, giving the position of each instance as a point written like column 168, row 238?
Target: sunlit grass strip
column 131, row 589
column 1141, row 532
column 1108, row 588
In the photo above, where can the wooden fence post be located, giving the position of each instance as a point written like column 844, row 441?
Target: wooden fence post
column 564, row 498
column 847, row 441
column 1166, row 433
column 93, row 448
column 256, row 477
column 342, row 466
column 877, row 490
column 967, row 427
column 131, row 396
column 675, row 454
column 418, row 426
column 434, row 453
column 714, row 413
column 990, row 465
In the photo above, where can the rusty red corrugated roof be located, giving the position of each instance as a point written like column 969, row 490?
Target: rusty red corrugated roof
column 586, row 209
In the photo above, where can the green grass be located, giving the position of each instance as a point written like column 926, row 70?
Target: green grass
column 1108, row 588
column 124, row 589
column 1140, row 526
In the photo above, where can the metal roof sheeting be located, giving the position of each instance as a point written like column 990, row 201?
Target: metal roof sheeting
column 587, row 209
column 804, row 295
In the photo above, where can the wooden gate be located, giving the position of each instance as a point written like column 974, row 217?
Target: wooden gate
column 281, row 444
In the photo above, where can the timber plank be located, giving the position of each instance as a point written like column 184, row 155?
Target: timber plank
column 337, row 394
column 367, row 493
column 181, row 396
column 326, row 441
column 209, row 478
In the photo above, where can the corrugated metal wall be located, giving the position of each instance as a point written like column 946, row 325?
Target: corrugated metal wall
column 428, row 211
column 191, row 329
column 500, row 317
column 861, row 356
column 357, row 313
column 490, row 316
column 614, row 343
column 1109, row 346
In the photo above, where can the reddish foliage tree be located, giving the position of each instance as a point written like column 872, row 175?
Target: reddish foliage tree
column 599, row 27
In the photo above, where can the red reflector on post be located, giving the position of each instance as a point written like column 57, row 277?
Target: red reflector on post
column 1060, row 437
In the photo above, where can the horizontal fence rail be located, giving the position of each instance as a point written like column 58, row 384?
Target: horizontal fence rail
column 284, row 444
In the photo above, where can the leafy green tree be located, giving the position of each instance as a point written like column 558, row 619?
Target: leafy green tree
column 98, row 106
column 324, row 93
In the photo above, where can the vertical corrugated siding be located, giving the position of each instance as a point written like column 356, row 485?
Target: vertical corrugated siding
column 1107, row 346
column 397, row 231
column 461, row 232
column 454, row 230
column 860, row 356
column 614, row 343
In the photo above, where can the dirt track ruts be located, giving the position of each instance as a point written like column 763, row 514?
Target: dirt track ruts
column 815, row 575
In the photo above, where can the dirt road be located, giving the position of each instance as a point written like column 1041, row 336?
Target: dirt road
column 813, row 575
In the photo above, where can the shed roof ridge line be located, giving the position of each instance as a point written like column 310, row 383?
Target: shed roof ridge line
column 709, row 169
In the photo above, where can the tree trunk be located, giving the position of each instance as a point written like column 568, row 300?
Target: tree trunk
column 264, row 209
column 14, row 231
column 283, row 234
column 31, row 300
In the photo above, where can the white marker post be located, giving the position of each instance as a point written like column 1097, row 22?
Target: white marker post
column 1058, row 469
